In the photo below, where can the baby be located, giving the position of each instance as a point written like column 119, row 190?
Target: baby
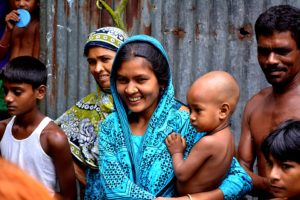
column 212, row 99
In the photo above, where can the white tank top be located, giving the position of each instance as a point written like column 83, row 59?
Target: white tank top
column 29, row 154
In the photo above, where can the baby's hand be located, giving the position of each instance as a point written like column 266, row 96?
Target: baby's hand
column 175, row 143
column 11, row 19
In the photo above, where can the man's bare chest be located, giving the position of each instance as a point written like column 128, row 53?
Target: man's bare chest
column 269, row 116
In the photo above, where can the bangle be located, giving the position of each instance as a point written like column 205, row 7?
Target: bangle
column 189, row 196
column 3, row 46
column 176, row 153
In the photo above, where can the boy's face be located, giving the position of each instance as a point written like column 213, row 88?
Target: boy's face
column 204, row 111
column 284, row 178
column 29, row 5
column 21, row 97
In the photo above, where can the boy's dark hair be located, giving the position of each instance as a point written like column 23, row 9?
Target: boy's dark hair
column 283, row 143
column 25, row 69
column 151, row 54
column 279, row 18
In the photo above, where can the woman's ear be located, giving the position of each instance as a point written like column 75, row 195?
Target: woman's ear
column 161, row 89
column 224, row 111
column 41, row 92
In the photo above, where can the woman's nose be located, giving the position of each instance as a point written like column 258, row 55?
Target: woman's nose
column 99, row 67
column 131, row 89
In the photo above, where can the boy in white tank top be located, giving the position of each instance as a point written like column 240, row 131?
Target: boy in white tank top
column 29, row 138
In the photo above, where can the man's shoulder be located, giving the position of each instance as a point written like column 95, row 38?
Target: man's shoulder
column 259, row 97
column 263, row 93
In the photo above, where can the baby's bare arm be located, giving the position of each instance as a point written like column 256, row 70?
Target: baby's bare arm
column 186, row 169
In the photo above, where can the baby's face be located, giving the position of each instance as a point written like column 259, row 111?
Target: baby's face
column 204, row 111
column 29, row 5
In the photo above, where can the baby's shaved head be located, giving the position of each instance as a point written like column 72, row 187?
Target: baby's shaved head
column 217, row 86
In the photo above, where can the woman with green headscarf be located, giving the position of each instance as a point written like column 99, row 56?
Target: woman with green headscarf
column 81, row 121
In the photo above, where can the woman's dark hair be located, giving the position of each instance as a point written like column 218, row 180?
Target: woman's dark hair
column 25, row 69
column 283, row 143
column 279, row 18
column 151, row 54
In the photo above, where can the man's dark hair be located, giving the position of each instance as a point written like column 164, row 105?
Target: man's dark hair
column 283, row 143
column 25, row 69
column 279, row 18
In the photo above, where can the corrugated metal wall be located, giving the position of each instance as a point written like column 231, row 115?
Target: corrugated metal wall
column 199, row 36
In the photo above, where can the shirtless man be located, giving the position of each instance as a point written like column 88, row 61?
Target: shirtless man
column 21, row 41
column 278, row 52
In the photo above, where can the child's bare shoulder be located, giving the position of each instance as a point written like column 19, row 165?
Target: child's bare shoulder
column 215, row 141
column 206, row 142
column 55, row 135
column 33, row 25
column 3, row 124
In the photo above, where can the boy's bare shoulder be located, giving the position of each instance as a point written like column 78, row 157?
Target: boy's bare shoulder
column 54, row 134
column 3, row 124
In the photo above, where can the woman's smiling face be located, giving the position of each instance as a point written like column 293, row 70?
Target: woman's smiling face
column 100, row 62
column 138, row 86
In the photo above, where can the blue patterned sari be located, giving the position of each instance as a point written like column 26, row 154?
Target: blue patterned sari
column 143, row 169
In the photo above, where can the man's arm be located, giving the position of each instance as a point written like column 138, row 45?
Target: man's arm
column 59, row 150
column 246, row 152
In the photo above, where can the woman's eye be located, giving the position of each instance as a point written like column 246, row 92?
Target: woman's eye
column 91, row 62
column 105, row 60
column 121, row 80
column 142, row 80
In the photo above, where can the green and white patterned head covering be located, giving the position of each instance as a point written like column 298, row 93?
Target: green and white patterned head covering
column 106, row 37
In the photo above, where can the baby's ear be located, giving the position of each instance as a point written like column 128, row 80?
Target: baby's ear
column 41, row 92
column 224, row 111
